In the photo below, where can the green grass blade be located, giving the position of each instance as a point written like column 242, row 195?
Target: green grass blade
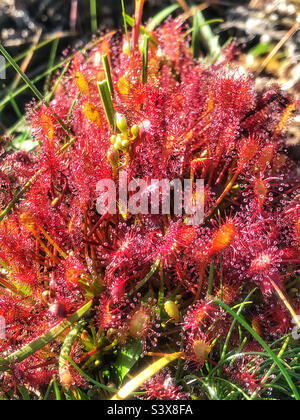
column 196, row 38
column 225, row 347
column 107, row 104
column 143, row 31
column 211, row 279
column 67, row 346
column 145, row 59
column 108, row 74
column 270, row 371
column 234, row 386
column 273, row 356
column 25, row 53
column 46, row 396
column 88, row 378
column 27, row 81
column 147, row 278
column 206, row 35
column 47, row 338
column 57, row 83
column 93, row 13
column 19, row 195
column 25, row 394
column 128, row 356
column 125, row 25
column 41, row 76
column 13, row 103
column 161, row 16
column 51, row 62
column 56, row 390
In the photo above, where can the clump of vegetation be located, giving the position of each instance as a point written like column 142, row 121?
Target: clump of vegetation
column 87, row 299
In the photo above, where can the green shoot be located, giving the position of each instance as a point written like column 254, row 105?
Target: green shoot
column 107, row 104
column 145, row 59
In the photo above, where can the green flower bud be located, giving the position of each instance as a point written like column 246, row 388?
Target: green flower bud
column 125, row 144
column 113, row 139
column 138, row 324
column 122, row 124
column 118, row 142
column 135, row 131
column 172, row 310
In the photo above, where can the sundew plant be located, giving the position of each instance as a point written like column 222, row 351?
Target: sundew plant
column 149, row 306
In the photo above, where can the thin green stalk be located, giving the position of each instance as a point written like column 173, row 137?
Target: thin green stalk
column 29, row 84
column 161, row 16
column 56, row 389
column 57, row 83
column 23, row 88
column 88, row 378
column 25, row 53
column 221, row 278
column 67, row 346
column 107, row 104
column 19, row 195
column 13, row 103
column 47, row 338
column 233, row 386
column 27, row 81
column 272, row 355
column 51, row 62
column 108, row 74
column 143, row 30
column 205, row 34
column 196, row 37
column 270, row 371
column 161, row 292
column 125, row 25
column 48, row 391
column 147, row 278
column 93, row 12
column 211, row 279
column 145, row 59
column 241, row 307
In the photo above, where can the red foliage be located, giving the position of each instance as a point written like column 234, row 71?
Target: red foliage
column 190, row 120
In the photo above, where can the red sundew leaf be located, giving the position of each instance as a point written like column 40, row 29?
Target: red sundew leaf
column 189, row 121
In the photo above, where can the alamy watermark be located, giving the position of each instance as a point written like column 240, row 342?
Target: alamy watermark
column 154, row 197
column 2, row 68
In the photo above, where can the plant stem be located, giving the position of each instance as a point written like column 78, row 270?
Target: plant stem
column 125, row 23
column 271, row 353
column 211, row 279
column 107, row 104
column 19, row 195
column 270, row 371
column 201, row 278
column 286, row 302
column 147, row 278
column 145, row 59
column 67, row 346
column 47, row 338
column 139, row 5
column 21, row 73
column 93, row 12
column 108, row 74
